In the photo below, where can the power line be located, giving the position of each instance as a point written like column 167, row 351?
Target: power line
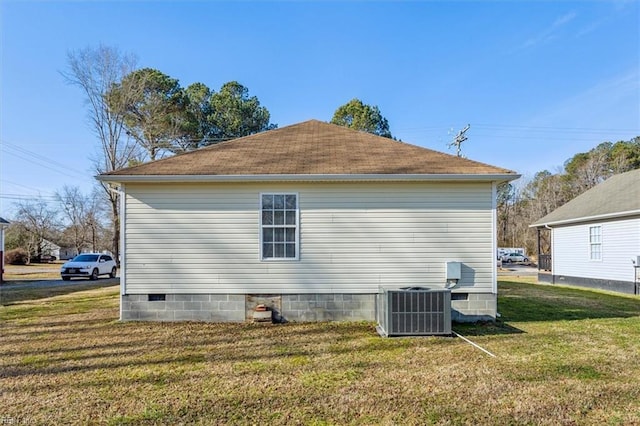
column 39, row 160
column 16, row 197
column 527, row 133
column 526, row 128
column 52, row 197
column 524, row 135
column 535, row 137
column 37, row 156
column 42, row 165
column 555, row 129
column 23, row 186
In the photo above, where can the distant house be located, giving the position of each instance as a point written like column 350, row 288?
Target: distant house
column 311, row 219
column 67, row 252
column 595, row 238
column 49, row 250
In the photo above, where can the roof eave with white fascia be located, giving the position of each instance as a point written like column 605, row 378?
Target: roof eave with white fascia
column 309, row 178
column 586, row 219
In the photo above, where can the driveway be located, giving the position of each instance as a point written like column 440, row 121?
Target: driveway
column 511, row 270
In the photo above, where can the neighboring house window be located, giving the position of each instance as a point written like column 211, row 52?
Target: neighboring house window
column 595, row 242
column 279, row 226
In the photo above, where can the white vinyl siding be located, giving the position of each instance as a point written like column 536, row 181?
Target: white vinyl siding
column 620, row 242
column 353, row 238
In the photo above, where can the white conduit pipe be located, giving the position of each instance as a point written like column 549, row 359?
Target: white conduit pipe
column 474, row 344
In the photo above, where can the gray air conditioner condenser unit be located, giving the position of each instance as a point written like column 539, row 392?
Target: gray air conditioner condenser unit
column 414, row 312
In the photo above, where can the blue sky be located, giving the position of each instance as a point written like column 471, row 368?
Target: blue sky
column 537, row 81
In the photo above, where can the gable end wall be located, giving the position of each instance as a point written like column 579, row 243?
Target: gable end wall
column 620, row 244
column 188, row 239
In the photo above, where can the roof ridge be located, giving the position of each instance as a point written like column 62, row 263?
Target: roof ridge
column 313, row 147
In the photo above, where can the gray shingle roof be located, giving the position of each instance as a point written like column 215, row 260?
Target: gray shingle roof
column 310, row 148
column 617, row 196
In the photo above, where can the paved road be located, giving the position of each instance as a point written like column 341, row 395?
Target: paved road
column 57, row 283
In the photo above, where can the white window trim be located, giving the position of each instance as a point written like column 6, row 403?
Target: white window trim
column 591, row 244
column 297, row 230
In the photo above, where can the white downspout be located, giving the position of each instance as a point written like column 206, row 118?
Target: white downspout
column 494, row 242
column 1, row 253
column 552, row 251
column 123, row 241
column 123, row 259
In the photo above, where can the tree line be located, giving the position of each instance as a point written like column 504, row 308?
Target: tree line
column 518, row 207
column 141, row 114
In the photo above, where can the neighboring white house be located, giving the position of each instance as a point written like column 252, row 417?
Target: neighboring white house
column 595, row 238
column 311, row 219
column 50, row 249
column 67, row 252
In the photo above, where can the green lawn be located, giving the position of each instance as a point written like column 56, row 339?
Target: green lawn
column 563, row 356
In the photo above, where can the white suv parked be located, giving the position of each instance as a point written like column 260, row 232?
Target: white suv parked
column 89, row 265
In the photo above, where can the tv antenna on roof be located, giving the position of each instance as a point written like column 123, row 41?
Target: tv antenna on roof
column 457, row 141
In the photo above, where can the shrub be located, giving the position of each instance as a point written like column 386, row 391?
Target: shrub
column 18, row 256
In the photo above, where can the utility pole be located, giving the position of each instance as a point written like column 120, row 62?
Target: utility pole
column 460, row 137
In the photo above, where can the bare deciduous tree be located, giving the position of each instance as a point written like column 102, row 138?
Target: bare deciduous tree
column 95, row 71
column 586, row 170
column 38, row 221
column 82, row 216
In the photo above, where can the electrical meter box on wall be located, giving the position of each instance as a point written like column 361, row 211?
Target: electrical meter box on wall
column 454, row 271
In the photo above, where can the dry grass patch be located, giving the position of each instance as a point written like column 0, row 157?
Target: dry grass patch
column 32, row 271
column 66, row 360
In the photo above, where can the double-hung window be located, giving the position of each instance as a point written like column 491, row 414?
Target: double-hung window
column 595, row 243
column 279, row 238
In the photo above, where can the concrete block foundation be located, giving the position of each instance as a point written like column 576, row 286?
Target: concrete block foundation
column 627, row 287
column 473, row 307
column 312, row 307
